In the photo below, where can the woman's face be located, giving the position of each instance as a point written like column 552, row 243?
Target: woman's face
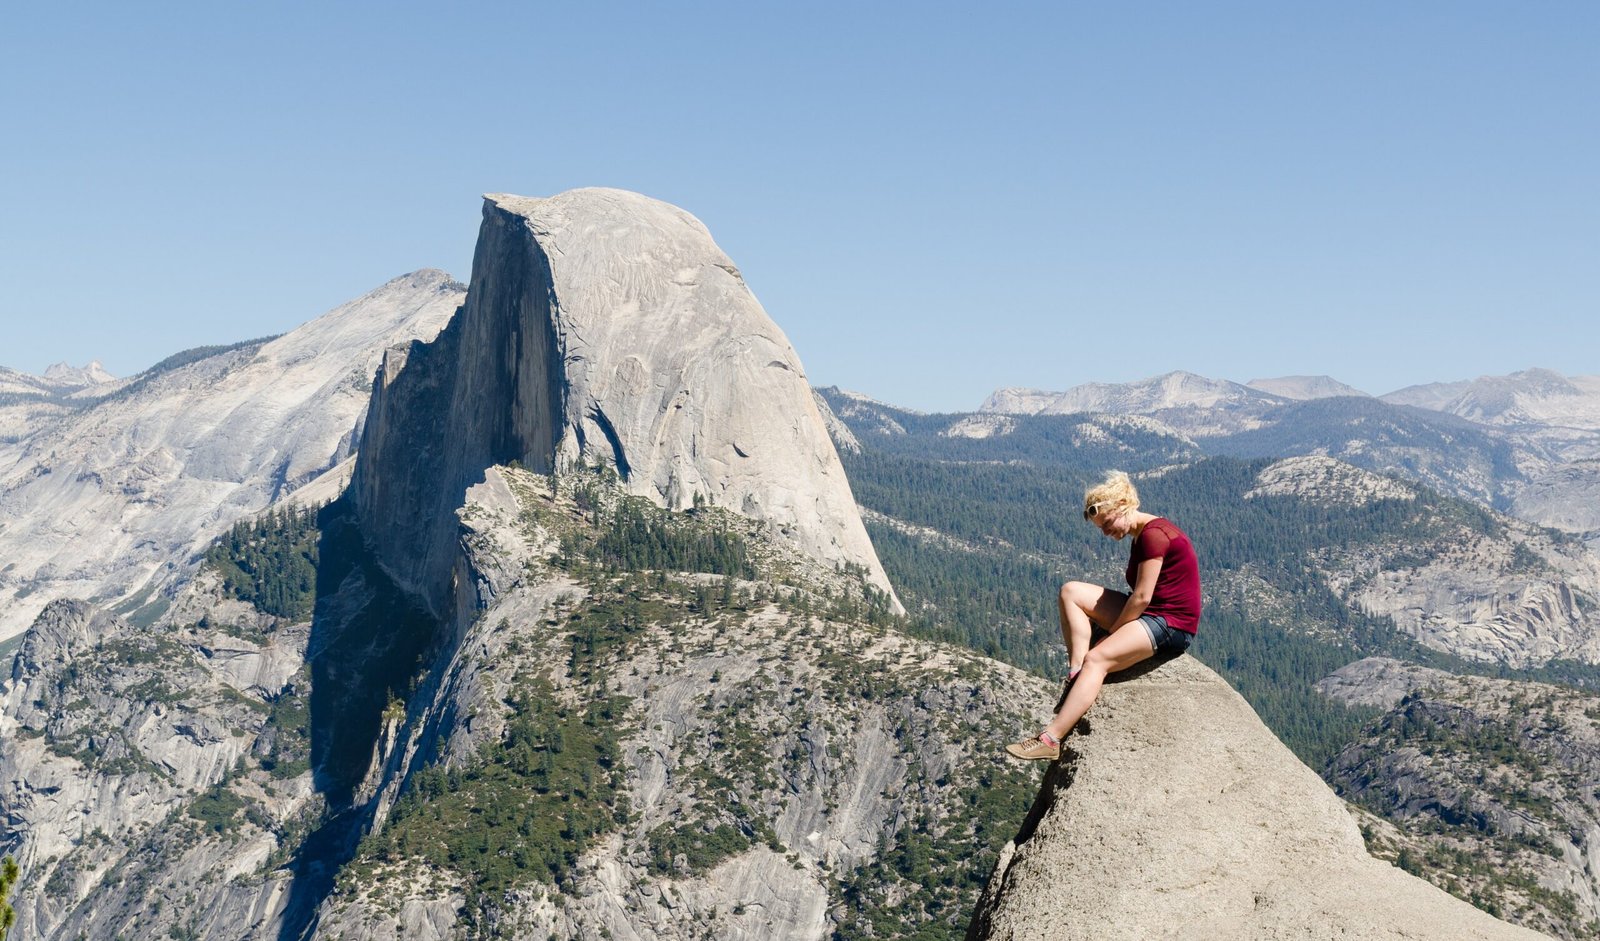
column 1115, row 523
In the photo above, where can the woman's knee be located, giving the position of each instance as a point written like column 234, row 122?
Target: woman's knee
column 1076, row 593
column 1098, row 658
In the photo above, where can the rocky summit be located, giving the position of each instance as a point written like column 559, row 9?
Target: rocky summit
column 601, row 327
column 1174, row 813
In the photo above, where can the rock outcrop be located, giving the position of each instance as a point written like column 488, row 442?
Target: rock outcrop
column 110, row 736
column 1566, row 498
column 601, row 327
column 114, row 500
column 1323, row 481
column 763, row 753
column 1495, row 776
column 1479, row 585
column 1177, row 814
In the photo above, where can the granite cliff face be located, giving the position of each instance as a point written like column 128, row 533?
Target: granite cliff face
column 606, row 342
column 1483, row 586
column 601, row 327
column 1176, row 814
column 113, row 498
column 735, row 750
column 126, row 752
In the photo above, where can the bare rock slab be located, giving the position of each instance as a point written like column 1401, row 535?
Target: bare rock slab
column 1179, row 815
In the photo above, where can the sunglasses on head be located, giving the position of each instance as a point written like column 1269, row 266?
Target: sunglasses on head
column 1092, row 510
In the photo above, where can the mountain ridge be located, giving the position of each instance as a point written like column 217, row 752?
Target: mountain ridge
column 115, row 497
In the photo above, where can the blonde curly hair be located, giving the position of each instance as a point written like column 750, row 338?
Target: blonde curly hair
column 1116, row 495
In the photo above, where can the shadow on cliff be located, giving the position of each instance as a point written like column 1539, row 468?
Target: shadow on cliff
column 368, row 639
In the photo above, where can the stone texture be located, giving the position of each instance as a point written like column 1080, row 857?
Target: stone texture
column 1179, row 815
column 1565, row 498
column 843, row 438
column 602, row 327
column 108, row 732
column 116, row 500
column 1324, row 481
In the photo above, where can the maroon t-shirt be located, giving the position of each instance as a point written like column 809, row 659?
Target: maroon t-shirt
column 1177, row 594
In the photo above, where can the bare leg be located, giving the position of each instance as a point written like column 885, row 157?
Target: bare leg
column 1129, row 645
column 1082, row 607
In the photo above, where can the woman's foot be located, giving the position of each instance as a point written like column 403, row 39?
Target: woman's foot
column 1039, row 748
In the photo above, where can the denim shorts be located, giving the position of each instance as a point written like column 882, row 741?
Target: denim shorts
column 1166, row 640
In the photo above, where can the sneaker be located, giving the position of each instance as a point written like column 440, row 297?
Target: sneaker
column 1034, row 749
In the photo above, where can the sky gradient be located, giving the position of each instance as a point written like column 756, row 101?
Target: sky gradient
column 932, row 200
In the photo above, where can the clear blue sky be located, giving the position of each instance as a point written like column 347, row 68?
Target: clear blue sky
column 933, row 200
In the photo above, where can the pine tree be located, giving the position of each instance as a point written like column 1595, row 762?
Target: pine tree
column 8, row 878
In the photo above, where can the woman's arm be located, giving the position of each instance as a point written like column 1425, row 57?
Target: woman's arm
column 1144, row 588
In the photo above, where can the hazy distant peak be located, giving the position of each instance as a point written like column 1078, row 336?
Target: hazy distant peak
column 1541, row 381
column 1302, row 388
column 1431, row 395
column 863, row 399
column 1176, row 389
column 1531, row 396
column 422, row 278
column 65, row 374
column 1018, row 401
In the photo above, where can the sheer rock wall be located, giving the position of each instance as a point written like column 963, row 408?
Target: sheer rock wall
column 601, row 327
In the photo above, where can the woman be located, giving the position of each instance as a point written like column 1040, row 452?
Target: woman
column 1158, row 617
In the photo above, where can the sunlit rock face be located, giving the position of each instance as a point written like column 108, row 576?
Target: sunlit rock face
column 601, row 327
column 1214, row 829
column 114, row 497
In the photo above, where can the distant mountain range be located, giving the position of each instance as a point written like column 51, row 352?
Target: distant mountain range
column 1527, row 443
